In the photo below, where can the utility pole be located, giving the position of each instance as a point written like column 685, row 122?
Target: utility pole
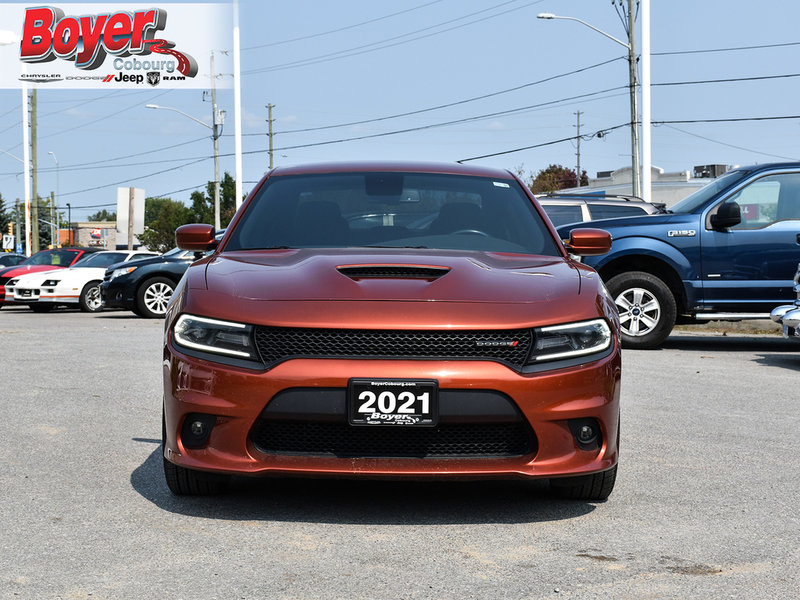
column 636, row 184
column 34, row 192
column 269, row 125
column 17, row 225
column 579, row 113
column 53, row 237
column 216, row 119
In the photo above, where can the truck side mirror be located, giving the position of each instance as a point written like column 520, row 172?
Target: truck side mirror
column 728, row 215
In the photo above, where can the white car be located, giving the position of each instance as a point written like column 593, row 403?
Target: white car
column 79, row 284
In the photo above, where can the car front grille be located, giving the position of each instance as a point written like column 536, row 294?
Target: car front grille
column 457, row 440
column 510, row 347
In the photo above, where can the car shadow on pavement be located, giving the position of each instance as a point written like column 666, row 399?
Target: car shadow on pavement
column 731, row 343
column 364, row 502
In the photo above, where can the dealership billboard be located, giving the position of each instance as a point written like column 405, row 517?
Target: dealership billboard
column 115, row 45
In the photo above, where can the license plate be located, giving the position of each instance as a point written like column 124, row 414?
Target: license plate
column 399, row 402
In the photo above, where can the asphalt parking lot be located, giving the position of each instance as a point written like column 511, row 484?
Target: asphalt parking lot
column 705, row 504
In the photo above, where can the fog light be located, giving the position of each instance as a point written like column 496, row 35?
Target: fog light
column 196, row 430
column 587, row 433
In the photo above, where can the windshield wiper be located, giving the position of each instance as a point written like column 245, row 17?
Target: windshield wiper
column 411, row 247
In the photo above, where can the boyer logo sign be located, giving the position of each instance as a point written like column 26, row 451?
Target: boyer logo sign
column 119, row 46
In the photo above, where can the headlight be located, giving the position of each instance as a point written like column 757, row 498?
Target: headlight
column 218, row 337
column 123, row 271
column 571, row 340
column 12, row 282
column 50, row 282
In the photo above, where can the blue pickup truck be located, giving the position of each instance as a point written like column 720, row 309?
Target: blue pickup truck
column 728, row 252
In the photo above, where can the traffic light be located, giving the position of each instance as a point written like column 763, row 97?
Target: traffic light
column 11, row 228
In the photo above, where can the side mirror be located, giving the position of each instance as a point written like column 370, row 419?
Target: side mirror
column 727, row 215
column 588, row 242
column 195, row 237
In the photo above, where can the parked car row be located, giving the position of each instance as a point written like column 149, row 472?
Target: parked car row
column 137, row 280
column 78, row 284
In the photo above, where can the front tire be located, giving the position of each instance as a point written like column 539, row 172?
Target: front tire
column 89, row 300
column 153, row 297
column 594, row 488
column 646, row 308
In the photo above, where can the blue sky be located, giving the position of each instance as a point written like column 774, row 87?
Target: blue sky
column 333, row 65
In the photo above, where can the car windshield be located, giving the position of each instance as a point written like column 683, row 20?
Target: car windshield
column 694, row 201
column 394, row 210
column 101, row 259
column 60, row 258
column 172, row 252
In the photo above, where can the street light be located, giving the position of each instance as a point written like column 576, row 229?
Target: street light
column 219, row 119
column 631, row 47
column 57, row 241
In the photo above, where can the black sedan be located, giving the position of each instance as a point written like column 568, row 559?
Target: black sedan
column 145, row 286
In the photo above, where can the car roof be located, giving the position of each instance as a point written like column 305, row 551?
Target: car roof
column 391, row 166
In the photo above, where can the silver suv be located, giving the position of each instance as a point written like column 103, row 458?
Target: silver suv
column 568, row 208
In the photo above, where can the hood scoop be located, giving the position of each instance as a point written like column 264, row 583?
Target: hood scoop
column 359, row 272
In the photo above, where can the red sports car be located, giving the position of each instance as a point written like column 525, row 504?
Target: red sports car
column 44, row 260
column 391, row 320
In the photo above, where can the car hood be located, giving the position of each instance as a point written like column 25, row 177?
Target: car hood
column 141, row 262
column 64, row 276
column 318, row 275
column 18, row 271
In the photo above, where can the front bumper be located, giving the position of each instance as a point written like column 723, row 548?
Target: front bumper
column 788, row 315
column 25, row 295
column 118, row 293
column 238, row 399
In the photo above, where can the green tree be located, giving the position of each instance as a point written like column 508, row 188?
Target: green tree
column 203, row 203
column 103, row 215
column 554, row 178
column 162, row 216
column 5, row 216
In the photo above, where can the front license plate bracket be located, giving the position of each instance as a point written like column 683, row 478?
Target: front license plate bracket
column 393, row 402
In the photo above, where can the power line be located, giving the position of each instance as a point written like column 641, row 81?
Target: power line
column 729, row 120
column 340, row 29
column 543, row 144
column 450, row 104
column 733, row 79
column 100, row 187
column 702, row 137
column 759, row 47
column 371, row 47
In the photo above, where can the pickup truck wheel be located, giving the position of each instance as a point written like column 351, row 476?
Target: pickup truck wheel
column 646, row 309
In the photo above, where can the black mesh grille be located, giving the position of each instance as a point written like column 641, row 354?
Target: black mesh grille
column 341, row 439
column 280, row 343
column 393, row 272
